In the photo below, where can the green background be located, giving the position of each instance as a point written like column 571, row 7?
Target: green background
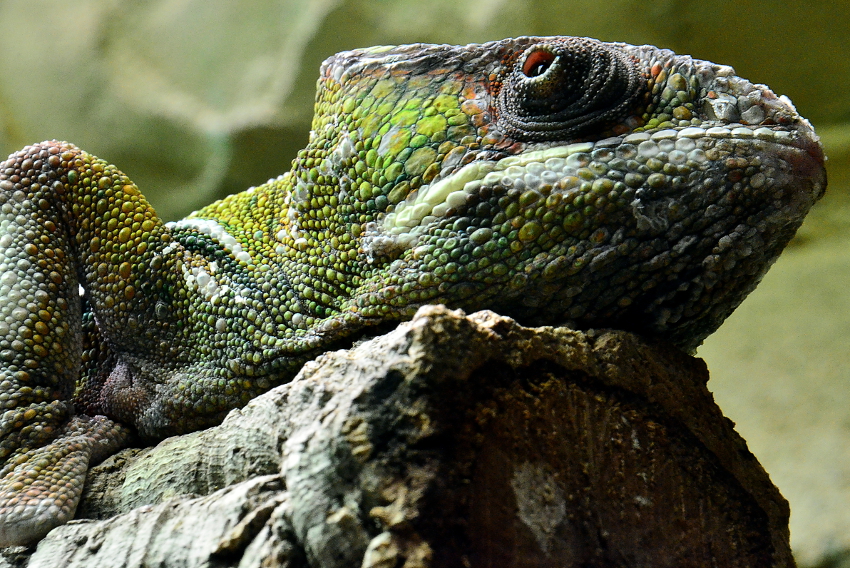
column 195, row 99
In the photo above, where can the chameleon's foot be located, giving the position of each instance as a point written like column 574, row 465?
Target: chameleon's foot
column 40, row 488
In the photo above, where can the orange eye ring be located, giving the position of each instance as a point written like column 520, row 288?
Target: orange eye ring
column 537, row 63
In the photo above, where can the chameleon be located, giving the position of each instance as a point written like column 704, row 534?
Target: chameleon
column 555, row 180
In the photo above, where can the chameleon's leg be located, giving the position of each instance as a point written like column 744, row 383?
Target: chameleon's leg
column 41, row 486
column 56, row 203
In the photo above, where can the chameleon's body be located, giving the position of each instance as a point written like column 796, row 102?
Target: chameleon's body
column 551, row 179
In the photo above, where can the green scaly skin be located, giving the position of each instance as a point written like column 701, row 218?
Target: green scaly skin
column 555, row 180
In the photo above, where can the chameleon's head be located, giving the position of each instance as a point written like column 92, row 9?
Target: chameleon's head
column 560, row 179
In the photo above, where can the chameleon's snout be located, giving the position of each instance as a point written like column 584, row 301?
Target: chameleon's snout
column 748, row 110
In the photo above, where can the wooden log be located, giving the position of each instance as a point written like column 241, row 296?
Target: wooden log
column 451, row 441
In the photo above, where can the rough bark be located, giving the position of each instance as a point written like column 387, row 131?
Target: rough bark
column 451, row 441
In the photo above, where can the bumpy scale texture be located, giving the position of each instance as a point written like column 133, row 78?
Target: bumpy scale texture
column 554, row 180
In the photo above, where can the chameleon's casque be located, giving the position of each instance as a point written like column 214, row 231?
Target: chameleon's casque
column 555, row 180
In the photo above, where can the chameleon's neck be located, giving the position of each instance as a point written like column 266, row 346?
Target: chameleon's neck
column 301, row 230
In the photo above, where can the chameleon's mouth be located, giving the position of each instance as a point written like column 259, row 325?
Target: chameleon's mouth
column 616, row 169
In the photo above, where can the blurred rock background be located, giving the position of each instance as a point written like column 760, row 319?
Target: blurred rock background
column 195, row 99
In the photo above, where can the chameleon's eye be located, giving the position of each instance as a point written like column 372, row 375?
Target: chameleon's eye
column 537, row 63
column 561, row 91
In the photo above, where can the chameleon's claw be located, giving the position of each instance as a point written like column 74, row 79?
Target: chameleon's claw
column 40, row 488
